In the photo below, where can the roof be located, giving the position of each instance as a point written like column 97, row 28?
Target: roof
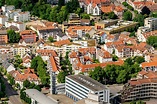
column 47, row 52
column 73, row 54
column 142, row 81
column 87, row 82
column 39, row 97
column 107, row 9
column 148, row 64
column 53, row 64
column 119, row 9
column 27, row 32
column 61, row 42
column 148, row 34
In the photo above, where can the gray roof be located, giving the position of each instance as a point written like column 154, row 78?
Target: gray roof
column 88, row 82
column 39, row 97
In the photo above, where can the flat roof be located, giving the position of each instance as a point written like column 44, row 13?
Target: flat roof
column 88, row 82
column 39, row 97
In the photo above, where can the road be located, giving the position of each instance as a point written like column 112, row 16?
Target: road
column 11, row 93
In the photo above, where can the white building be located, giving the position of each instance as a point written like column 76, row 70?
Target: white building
column 20, row 25
column 6, row 8
column 3, row 19
column 79, row 87
column 151, row 23
column 22, row 16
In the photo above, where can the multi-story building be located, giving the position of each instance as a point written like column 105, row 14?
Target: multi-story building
column 6, row 8
column 29, row 36
column 144, row 87
column 20, row 25
column 151, row 23
column 3, row 36
column 22, row 16
column 78, row 87
column 3, row 19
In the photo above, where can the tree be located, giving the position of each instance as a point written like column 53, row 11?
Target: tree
column 13, row 37
column 122, row 77
column 152, row 40
column 140, row 19
column 97, row 74
column 61, row 76
column 12, row 81
column 51, row 39
column 85, row 16
column 132, row 34
column 61, row 3
column 114, row 58
column 127, row 15
column 111, row 15
column 37, row 87
column 2, row 2
column 139, row 59
column 26, row 84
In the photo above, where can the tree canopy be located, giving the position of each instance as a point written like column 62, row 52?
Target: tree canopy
column 127, row 15
column 13, row 37
column 152, row 40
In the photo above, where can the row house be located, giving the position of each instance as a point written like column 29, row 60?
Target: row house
column 143, row 87
column 102, row 55
column 78, row 67
column 20, row 50
column 76, row 32
column 29, row 36
column 149, row 66
column 26, row 60
column 28, row 74
column 3, row 36
column 55, row 32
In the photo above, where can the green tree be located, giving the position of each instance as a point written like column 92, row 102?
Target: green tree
column 26, row 84
column 12, row 81
column 13, row 37
column 85, row 16
column 152, row 40
column 132, row 34
column 51, row 39
column 61, row 3
column 97, row 74
column 61, row 76
column 111, row 15
column 2, row 2
column 139, row 59
column 140, row 19
column 122, row 77
column 114, row 58
column 127, row 15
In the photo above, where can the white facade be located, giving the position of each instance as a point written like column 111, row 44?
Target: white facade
column 151, row 23
column 78, row 87
column 3, row 19
column 94, row 11
column 140, row 32
column 7, row 8
column 21, row 26
column 22, row 16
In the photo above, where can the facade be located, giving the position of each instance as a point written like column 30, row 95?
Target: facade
column 151, row 23
column 143, row 87
column 20, row 25
column 3, row 19
column 22, row 17
column 29, row 36
column 78, row 87
column 3, row 36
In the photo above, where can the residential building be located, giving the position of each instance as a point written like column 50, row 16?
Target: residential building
column 3, row 36
column 20, row 25
column 26, row 60
column 5, row 50
column 20, row 50
column 74, row 19
column 143, row 87
column 22, row 17
column 7, row 65
column 119, row 11
column 151, row 23
column 78, row 87
column 6, row 8
column 149, row 66
column 39, row 98
column 28, row 74
column 3, row 19
column 29, row 36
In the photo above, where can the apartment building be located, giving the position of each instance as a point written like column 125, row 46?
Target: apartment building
column 3, row 19
column 149, row 66
column 22, row 16
column 3, row 36
column 78, row 87
column 29, row 36
column 144, row 87
column 6, row 8
column 151, row 23
column 20, row 25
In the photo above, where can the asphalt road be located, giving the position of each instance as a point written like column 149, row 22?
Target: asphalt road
column 11, row 93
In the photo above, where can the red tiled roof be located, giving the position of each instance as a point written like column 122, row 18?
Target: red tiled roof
column 148, row 64
column 46, row 52
column 53, row 64
column 62, row 42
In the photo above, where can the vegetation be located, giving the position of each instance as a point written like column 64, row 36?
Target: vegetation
column 29, row 85
column 66, row 69
column 114, row 58
column 85, row 16
column 137, row 102
column 11, row 79
column 127, row 15
column 51, row 39
column 128, row 6
column 140, row 19
column 39, row 67
column 153, row 14
column 132, row 34
column 113, row 74
column 24, row 97
column 110, row 15
column 13, row 37
column 2, row 92
column 152, row 40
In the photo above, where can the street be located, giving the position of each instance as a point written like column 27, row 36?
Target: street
column 11, row 93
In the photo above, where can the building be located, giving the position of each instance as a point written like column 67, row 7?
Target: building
column 22, row 17
column 3, row 19
column 3, row 37
column 74, row 19
column 38, row 97
column 6, row 8
column 151, row 23
column 78, row 87
column 20, row 25
column 29, row 36
column 143, row 87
